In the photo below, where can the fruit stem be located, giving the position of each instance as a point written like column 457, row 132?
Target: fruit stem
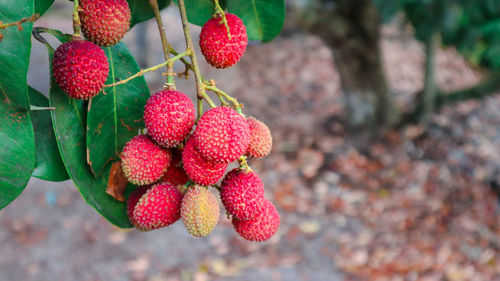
column 165, row 45
column 77, row 25
column 220, row 11
column 211, row 86
column 244, row 164
column 35, row 108
column 200, row 89
column 152, row 68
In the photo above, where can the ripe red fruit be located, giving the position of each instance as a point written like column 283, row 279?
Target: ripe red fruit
column 104, row 22
column 260, row 139
column 242, row 193
column 80, row 68
column 198, row 169
column 169, row 116
column 158, row 207
column 133, row 199
column 175, row 174
column 260, row 228
column 143, row 162
column 215, row 45
column 222, row 135
column 199, row 211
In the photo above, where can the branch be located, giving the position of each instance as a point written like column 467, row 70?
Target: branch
column 164, row 42
column 18, row 23
column 77, row 25
column 149, row 69
column 486, row 88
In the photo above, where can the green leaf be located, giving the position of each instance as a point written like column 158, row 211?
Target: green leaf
column 17, row 145
column 142, row 11
column 69, row 120
column 199, row 11
column 264, row 19
column 116, row 117
column 48, row 162
column 42, row 5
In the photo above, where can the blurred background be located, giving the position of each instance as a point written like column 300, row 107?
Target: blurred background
column 385, row 161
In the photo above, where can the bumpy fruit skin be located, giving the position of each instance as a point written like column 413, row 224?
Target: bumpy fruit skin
column 104, row 22
column 261, row 140
column 242, row 194
column 143, row 162
column 199, row 211
column 133, row 199
column 198, row 169
column 260, row 228
column 222, row 135
column 175, row 173
column 80, row 68
column 158, row 207
column 169, row 116
column 215, row 45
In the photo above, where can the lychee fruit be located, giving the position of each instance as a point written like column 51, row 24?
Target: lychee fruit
column 143, row 162
column 222, row 135
column 260, row 139
column 175, row 173
column 80, row 68
column 169, row 116
column 242, row 193
column 260, row 228
column 199, row 169
column 215, row 45
column 199, row 211
column 158, row 207
column 133, row 199
column 104, row 22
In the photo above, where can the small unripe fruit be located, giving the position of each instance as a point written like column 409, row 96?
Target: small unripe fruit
column 199, row 211
column 143, row 162
column 242, row 194
column 199, row 169
column 104, row 22
column 215, row 45
column 158, row 207
column 169, row 116
column 260, row 139
column 175, row 173
column 80, row 68
column 222, row 135
column 260, row 228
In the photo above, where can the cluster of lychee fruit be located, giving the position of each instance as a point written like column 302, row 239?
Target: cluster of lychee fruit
column 175, row 167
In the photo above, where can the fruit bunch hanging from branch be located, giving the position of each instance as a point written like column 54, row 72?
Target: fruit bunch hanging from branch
column 140, row 160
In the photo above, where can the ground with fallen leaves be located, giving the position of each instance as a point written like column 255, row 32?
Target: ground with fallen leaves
column 415, row 205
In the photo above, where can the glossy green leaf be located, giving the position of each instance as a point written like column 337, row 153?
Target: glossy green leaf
column 142, row 11
column 199, row 11
column 48, row 162
column 116, row 117
column 69, row 120
column 264, row 19
column 41, row 6
column 17, row 145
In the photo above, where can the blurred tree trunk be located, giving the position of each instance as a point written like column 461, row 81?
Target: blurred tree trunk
column 351, row 28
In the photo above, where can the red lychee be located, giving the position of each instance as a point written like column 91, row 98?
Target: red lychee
column 260, row 228
column 169, row 116
column 80, row 68
column 133, row 199
column 158, row 207
column 143, row 162
column 215, row 45
column 198, row 169
column 175, row 173
column 222, row 135
column 104, row 22
column 260, row 139
column 242, row 193
column 199, row 211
